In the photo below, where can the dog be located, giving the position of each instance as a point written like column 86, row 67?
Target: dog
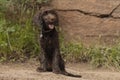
column 50, row 57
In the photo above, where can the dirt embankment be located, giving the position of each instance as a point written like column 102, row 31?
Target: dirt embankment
column 90, row 21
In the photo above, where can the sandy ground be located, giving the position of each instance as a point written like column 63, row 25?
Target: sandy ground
column 27, row 71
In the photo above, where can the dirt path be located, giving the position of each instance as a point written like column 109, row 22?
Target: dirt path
column 26, row 71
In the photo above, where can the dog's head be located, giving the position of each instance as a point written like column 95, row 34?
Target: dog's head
column 47, row 18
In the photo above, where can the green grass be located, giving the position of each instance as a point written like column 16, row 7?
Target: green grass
column 97, row 56
column 18, row 37
column 17, row 41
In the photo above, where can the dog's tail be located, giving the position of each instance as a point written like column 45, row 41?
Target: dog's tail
column 71, row 75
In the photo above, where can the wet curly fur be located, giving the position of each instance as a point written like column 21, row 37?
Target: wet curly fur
column 50, row 57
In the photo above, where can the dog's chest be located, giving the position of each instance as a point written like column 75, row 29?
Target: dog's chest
column 49, row 42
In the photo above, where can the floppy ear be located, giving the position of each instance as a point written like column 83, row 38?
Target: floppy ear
column 57, row 19
column 37, row 21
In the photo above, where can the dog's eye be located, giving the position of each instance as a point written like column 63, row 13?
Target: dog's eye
column 46, row 12
column 52, row 19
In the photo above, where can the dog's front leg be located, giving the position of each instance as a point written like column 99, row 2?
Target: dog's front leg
column 43, row 62
column 56, row 62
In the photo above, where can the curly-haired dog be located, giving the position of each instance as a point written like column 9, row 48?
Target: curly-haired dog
column 50, row 58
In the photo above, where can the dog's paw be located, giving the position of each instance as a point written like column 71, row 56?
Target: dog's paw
column 57, row 71
column 39, row 69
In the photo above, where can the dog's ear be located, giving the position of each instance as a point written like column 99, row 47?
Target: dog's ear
column 37, row 21
column 57, row 18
